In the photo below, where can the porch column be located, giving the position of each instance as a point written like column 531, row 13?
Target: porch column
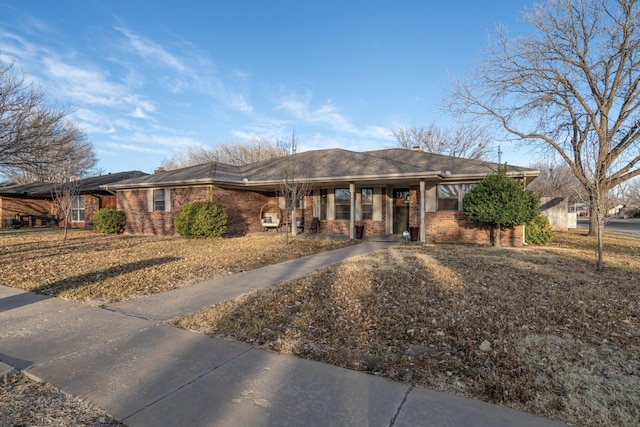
column 423, row 194
column 352, row 213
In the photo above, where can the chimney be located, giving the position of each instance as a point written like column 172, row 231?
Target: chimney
column 159, row 169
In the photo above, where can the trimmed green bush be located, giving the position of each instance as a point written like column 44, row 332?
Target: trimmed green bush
column 201, row 220
column 110, row 221
column 501, row 201
column 538, row 231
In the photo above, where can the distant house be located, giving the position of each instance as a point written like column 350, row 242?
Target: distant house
column 30, row 205
column 386, row 191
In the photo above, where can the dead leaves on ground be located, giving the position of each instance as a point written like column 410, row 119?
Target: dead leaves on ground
column 99, row 268
column 536, row 328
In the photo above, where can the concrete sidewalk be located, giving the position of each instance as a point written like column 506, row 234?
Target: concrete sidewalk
column 147, row 373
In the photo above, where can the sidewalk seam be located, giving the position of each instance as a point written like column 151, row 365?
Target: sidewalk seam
column 186, row 384
column 404, row 399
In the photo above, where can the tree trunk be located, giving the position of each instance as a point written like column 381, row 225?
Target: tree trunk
column 66, row 227
column 599, row 221
column 286, row 227
column 294, row 225
column 496, row 235
column 593, row 216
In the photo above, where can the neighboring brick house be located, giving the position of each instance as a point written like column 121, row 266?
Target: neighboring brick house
column 386, row 191
column 31, row 204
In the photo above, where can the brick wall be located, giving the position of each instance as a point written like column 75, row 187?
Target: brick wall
column 242, row 207
column 449, row 226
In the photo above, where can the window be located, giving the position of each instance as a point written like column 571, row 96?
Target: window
column 343, row 203
column 323, row 204
column 77, row 209
column 450, row 196
column 158, row 200
column 367, row 203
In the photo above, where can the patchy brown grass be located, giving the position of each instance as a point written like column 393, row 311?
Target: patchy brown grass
column 536, row 328
column 24, row 402
column 98, row 268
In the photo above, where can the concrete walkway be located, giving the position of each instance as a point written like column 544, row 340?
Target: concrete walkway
column 144, row 372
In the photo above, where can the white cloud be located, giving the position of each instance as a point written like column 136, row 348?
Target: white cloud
column 151, row 51
column 136, row 148
column 139, row 114
column 164, row 140
column 83, row 85
column 328, row 115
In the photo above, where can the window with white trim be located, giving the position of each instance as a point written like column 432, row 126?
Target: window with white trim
column 159, row 200
column 343, row 203
column 450, row 196
column 77, row 209
column 323, row 204
column 367, row 203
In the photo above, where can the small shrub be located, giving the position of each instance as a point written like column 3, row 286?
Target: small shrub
column 538, row 231
column 201, row 219
column 110, row 221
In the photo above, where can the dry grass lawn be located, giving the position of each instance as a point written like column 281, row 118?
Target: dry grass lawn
column 98, row 269
column 24, row 402
column 535, row 328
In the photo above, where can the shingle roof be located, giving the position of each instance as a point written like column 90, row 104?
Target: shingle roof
column 326, row 165
column 93, row 184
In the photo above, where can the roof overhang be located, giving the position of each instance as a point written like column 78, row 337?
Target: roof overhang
column 377, row 179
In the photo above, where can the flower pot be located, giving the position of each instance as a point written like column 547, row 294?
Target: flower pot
column 414, row 232
column 359, row 231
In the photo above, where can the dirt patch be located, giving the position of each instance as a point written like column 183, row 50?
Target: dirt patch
column 537, row 328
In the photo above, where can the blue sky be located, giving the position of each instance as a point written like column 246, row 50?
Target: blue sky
column 147, row 79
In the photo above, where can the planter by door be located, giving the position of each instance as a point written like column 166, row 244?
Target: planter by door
column 414, row 231
column 359, row 231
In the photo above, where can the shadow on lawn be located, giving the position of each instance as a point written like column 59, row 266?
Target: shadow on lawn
column 93, row 277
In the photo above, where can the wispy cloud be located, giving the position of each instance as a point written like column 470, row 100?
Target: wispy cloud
column 137, row 148
column 173, row 141
column 152, row 52
column 87, row 86
column 328, row 115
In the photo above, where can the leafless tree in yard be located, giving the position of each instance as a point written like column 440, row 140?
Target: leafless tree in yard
column 65, row 198
column 293, row 187
column 73, row 154
column 571, row 86
column 556, row 179
column 467, row 141
column 241, row 153
column 35, row 135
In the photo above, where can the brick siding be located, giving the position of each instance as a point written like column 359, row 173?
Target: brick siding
column 242, row 207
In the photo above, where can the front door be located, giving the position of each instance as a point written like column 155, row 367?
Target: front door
column 400, row 210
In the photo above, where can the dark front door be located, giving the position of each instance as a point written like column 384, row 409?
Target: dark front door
column 400, row 210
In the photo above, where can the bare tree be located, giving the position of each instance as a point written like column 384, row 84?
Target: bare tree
column 571, row 86
column 468, row 141
column 556, row 180
column 293, row 187
column 32, row 131
column 73, row 155
column 65, row 198
column 241, row 153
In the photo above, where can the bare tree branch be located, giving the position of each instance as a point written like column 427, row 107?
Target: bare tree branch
column 242, row 153
column 36, row 137
column 465, row 140
column 572, row 84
